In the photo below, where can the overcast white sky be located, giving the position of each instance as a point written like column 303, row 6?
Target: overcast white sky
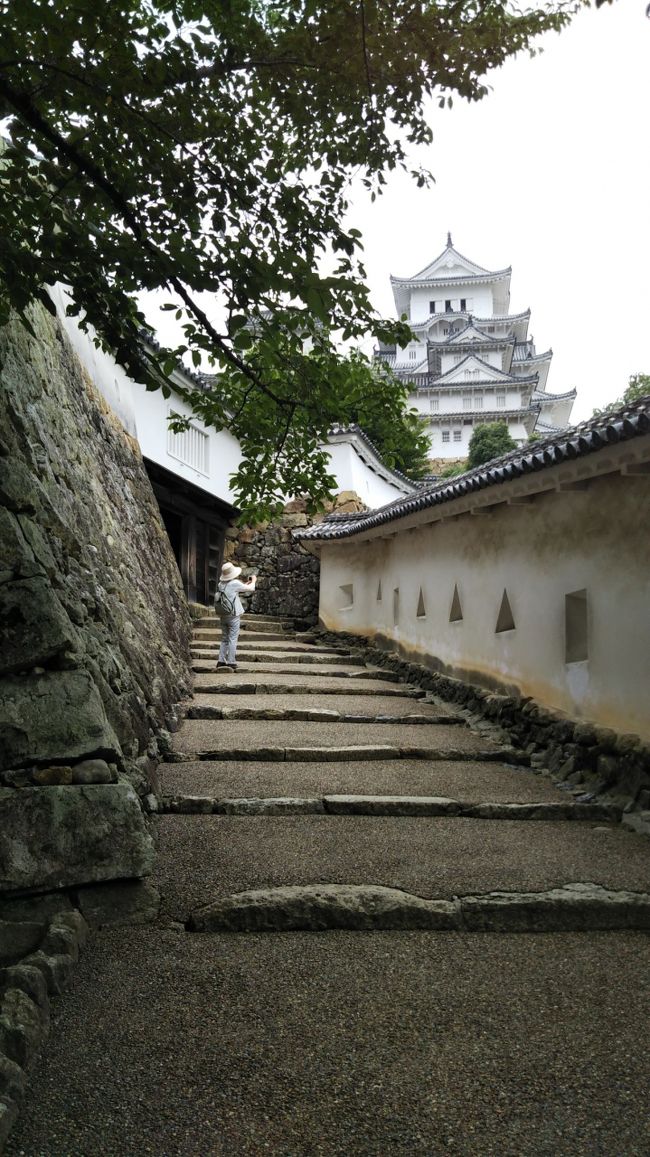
column 550, row 173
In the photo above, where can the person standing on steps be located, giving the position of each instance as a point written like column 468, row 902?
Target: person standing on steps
column 229, row 607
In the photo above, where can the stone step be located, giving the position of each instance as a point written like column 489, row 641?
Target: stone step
column 386, row 805
column 437, row 857
column 274, row 620
column 317, row 715
column 577, row 907
column 204, row 668
column 284, row 648
column 249, row 634
column 336, row 659
column 330, row 736
column 347, row 753
column 462, row 779
column 226, row 687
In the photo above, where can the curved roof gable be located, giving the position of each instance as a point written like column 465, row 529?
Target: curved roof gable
column 488, row 373
column 450, row 264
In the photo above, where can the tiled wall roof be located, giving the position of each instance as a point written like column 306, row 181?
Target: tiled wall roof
column 589, row 437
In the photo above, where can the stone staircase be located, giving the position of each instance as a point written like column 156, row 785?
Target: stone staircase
column 349, row 768
column 360, row 838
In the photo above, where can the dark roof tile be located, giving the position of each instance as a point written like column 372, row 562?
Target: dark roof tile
column 631, row 421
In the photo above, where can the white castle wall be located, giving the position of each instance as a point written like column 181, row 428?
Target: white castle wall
column 568, row 560
column 480, row 296
column 213, row 454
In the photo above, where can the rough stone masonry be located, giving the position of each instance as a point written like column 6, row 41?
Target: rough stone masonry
column 94, row 631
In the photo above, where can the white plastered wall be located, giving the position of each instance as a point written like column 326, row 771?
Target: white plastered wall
column 353, row 474
column 561, row 543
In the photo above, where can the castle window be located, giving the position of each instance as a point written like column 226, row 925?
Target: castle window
column 467, row 399
column 463, row 304
column 445, row 436
column 413, row 354
column 190, row 446
column 432, row 307
column 458, row 435
column 448, row 308
column 434, row 405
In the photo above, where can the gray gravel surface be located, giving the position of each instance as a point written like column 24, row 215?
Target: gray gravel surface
column 204, row 857
column 351, row 703
column 475, row 781
column 347, row 1045
column 291, row 667
column 213, row 734
column 306, row 678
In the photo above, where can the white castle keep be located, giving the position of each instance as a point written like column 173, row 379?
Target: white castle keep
column 471, row 361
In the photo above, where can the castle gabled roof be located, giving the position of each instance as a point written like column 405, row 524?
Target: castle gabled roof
column 456, row 375
column 451, row 259
column 472, row 332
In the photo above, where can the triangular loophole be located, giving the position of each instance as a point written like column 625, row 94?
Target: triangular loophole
column 456, row 612
column 421, row 611
column 505, row 621
column 379, row 592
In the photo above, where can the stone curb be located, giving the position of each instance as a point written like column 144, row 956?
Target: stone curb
column 348, row 754
column 320, row 907
column 25, row 991
column 384, row 805
column 224, row 687
column 318, row 715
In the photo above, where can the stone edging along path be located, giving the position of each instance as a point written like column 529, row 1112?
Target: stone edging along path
column 25, row 991
column 361, row 908
column 347, row 754
column 319, row 715
column 384, row 805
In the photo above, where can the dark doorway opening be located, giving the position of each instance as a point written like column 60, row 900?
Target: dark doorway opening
column 174, row 527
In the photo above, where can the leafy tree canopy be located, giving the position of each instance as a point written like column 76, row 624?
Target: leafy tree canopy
column 489, row 441
column 205, row 148
column 638, row 386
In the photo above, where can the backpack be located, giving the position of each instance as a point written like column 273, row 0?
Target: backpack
column 224, row 604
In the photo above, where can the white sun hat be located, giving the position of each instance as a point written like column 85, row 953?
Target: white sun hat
column 228, row 572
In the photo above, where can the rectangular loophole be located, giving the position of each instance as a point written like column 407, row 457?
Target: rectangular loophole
column 576, row 643
column 396, row 605
column 347, row 595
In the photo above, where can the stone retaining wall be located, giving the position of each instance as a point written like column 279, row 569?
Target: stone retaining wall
column 288, row 577
column 94, row 626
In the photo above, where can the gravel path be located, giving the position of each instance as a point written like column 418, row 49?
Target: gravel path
column 339, row 1044
column 477, row 782
column 347, row 1044
column 350, row 703
column 211, row 735
column 306, row 678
